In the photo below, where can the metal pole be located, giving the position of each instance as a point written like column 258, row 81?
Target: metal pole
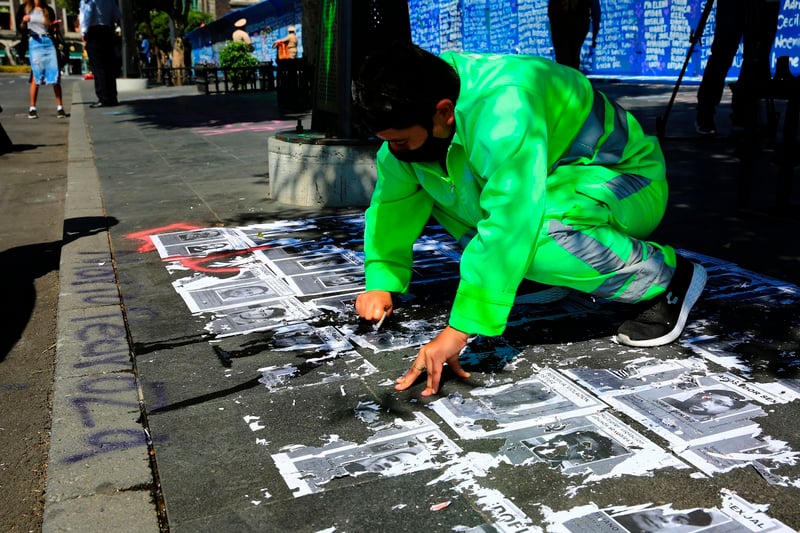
column 128, row 39
column 345, row 68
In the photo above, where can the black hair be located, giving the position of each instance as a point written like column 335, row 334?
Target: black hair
column 689, row 405
column 697, row 517
column 399, row 86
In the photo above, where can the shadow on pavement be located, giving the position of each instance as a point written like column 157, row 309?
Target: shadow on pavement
column 22, row 265
column 185, row 111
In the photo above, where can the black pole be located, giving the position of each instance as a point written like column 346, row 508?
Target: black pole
column 694, row 37
column 345, row 68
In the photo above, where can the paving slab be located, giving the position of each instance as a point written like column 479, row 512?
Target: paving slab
column 250, row 432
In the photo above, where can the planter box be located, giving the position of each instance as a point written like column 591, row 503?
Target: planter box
column 131, row 84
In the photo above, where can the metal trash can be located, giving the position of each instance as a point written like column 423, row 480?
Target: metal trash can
column 293, row 83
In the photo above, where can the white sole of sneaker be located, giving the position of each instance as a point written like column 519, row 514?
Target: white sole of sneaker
column 696, row 286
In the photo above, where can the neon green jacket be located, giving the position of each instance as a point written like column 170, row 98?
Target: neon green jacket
column 517, row 118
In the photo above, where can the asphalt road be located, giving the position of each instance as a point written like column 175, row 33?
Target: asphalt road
column 32, row 187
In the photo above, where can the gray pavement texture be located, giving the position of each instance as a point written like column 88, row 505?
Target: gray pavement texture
column 157, row 426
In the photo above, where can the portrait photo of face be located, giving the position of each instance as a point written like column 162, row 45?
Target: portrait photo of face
column 323, row 262
column 199, row 235
column 305, row 248
column 653, row 520
column 391, row 463
column 244, row 291
column 205, row 248
column 260, row 314
column 710, row 403
column 342, row 280
column 517, row 397
column 297, row 340
column 578, row 447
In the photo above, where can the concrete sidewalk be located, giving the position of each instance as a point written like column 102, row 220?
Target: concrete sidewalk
column 159, row 425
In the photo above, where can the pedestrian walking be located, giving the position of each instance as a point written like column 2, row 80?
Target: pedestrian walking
column 97, row 20
column 569, row 25
column 754, row 24
column 36, row 20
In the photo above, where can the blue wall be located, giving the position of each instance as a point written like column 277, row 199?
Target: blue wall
column 266, row 22
column 648, row 38
column 638, row 38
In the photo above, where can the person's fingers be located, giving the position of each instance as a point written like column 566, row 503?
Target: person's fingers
column 371, row 308
column 408, row 379
column 373, row 314
column 456, row 367
column 434, row 375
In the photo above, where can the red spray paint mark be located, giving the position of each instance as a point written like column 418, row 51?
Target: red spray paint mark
column 147, row 243
column 198, row 264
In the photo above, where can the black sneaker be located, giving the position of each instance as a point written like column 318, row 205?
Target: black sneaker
column 704, row 125
column 33, row 114
column 60, row 113
column 664, row 321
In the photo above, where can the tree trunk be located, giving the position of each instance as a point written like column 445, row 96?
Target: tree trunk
column 178, row 62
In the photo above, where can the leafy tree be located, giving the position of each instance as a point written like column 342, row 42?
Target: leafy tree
column 237, row 54
column 197, row 19
column 178, row 12
column 71, row 6
column 156, row 27
column 154, row 18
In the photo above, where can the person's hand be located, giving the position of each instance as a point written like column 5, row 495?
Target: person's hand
column 26, row 19
column 371, row 305
column 445, row 348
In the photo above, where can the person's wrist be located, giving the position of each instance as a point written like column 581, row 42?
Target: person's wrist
column 467, row 336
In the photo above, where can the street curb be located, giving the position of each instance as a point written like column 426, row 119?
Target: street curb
column 98, row 477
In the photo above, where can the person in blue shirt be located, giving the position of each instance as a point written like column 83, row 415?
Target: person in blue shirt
column 145, row 52
column 97, row 19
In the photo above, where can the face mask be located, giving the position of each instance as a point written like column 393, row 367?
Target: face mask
column 433, row 149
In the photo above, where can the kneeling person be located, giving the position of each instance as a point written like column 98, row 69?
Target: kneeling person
column 535, row 173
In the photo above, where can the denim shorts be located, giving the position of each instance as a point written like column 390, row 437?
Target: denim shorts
column 44, row 60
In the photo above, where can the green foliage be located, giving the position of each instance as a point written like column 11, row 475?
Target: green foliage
column 156, row 28
column 71, row 6
column 237, row 55
column 196, row 19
